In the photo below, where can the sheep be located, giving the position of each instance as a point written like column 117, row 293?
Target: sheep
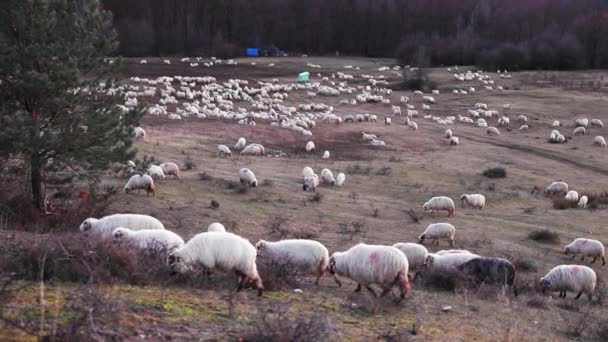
column 247, row 177
column 413, row 125
column 579, row 131
column 447, row 263
column 490, row 270
column 325, row 155
column 452, row 251
column 366, row 264
column 448, row 133
column 138, row 182
column 581, row 122
column 310, row 183
column 522, row 118
column 415, row 253
column 340, row 179
column 252, row 150
column 225, row 251
column 523, row 127
column 170, row 169
column 216, row 227
column 556, row 188
column 156, row 172
column 454, row 141
column 440, row 203
column 436, row 231
column 597, row 123
column 102, row 228
column 555, row 123
column 576, row 278
column 475, row 201
column 148, row 238
column 387, row 121
column 327, row 177
column 304, row 254
column 240, row 144
column 310, row 146
column 139, row 134
column 572, row 196
column 224, row 150
column 307, row 172
column 582, row 202
column 586, row 248
column 492, row 131
column 600, row 141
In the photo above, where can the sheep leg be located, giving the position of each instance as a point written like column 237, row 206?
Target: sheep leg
column 337, row 281
column 603, row 261
column 451, row 243
column 370, row 289
column 514, row 290
column 358, row 289
column 583, row 258
column 578, row 295
column 592, row 261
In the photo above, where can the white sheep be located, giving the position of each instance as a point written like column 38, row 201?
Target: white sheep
column 310, row 182
column 308, row 255
column 448, row 133
column 413, row 125
column 454, row 141
column 240, row 144
column 156, row 172
column 247, row 177
column 599, row 141
column 582, row 202
column 572, row 196
column 452, row 251
column 365, row 264
column 170, row 169
column 555, row 123
column 581, row 122
column 448, row 262
column 475, row 201
column 216, row 227
column 139, row 134
column 310, row 146
column 579, row 131
column 325, row 155
column 436, row 231
column 576, row 278
column 328, row 177
column 307, row 171
column 587, row 248
column 597, row 123
column 253, row 150
column 139, row 182
column 387, row 121
column 224, row 150
column 148, row 238
column 523, row 127
column 492, row 131
column 340, row 179
column 219, row 250
column 440, row 203
column 415, row 253
column 103, row 227
column 557, row 187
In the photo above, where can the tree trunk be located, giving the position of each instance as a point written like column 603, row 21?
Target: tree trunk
column 36, row 182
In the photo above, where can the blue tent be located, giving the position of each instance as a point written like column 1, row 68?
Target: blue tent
column 303, row 77
column 252, row 52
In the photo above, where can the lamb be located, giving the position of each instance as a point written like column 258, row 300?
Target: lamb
column 170, row 169
column 340, row 179
column 304, row 254
column 454, row 141
column 216, row 227
column 600, row 141
column 415, row 254
column 576, row 278
column 327, row 177
column 572, row 196
column 247, row 177
column 225, row 251
column 448, row 133
column 138, row 182
column 492, row 131
column 149, row 238
column 436, row 231
column 579, row 131
column 325, row 155
column 440, row 203
column 597, row 123
column 310, row 183
column 366, row 264
column 156, row 172
column 310, row 146
column 139, row 134
column 582, row 202
column 586, row 248
column 447, row 263
column 102, row 228
column 224, row 150
column 490, row 270
column 253, row 150
column 475, row 201
column 240, row 144
column 557, row 187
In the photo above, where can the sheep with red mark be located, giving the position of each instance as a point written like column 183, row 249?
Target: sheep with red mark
column 575, row 278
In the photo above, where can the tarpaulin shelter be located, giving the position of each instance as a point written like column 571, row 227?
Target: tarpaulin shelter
column 303, row 76
column 252, row 52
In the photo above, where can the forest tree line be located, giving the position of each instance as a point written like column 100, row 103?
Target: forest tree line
column 515, row 34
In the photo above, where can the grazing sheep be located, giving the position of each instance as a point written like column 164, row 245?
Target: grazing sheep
column 224, row 150
column 327, row 177
column 216, row 227
column 556, row 188
column 377, row 143
column 412, row 125
column 523, row 127
column 170, row 169
column 587, row 248
column 325, row 155
column 522, row 118
column 340, row 179
column 103, row 227
column 490, row 270
column 247, row 177
column 253, row 150
column 368, row 137
column 309, row 255
column 224, row 251
column 415, row 253
column 454, row 141
column 597, row 123
column 387, row 121
column 139, row 182
column 572, row 196
column 440, row 203
column 307, row 171
column 436, row 231
column 504, row 121
column 366, row 264
column 447, row 263
column 576, row 278
column 579, row 131
column 149, row 238
column 139, row 134
column 310, row 146
column 310, row 183
column 581, row 123
column 240, row 144
column 600, row 141
column 555, row 123
column 156, row 172
column 448, row 133
column 492, row 131
column 475, row 201
column 582, row 202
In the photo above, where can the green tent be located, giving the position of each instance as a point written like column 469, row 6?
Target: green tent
column 303, row 77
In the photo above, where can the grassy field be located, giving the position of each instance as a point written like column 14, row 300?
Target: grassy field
column 382, row 185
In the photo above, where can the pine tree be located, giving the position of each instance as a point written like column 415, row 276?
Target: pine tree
column 58, row 110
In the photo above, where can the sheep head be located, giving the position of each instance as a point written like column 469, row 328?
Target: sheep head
column 544, row 284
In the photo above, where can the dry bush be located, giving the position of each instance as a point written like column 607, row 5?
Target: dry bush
column 189, row 163
column 596, row 199
column 495, row 172
column 538, row 302
column 384, row 171
column 276, row 225
column 214, row 204
column 441, row 281
column 316, row 198
column 523, row 264
column 561, row 203
column 267, row 182
column 277, row 274
column 356, row 228
column 357, row 169
column 415, row 217
column 204, row 176
column 544, row 236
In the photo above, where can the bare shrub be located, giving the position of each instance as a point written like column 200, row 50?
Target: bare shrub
column 189, row 163
column 384, row 171
column 441, row 281
column 276, row 225
column 414, row 216
column 267, row 182
column 278, row 324
column 561, row 203
column 538, row 302
column 204, row 176
column 214, row 204
column 356, row 228
column 544, row 236
column 495, row 172
column 277, row 274
column 357, row 169
column 524, row 264
column 317, row 197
